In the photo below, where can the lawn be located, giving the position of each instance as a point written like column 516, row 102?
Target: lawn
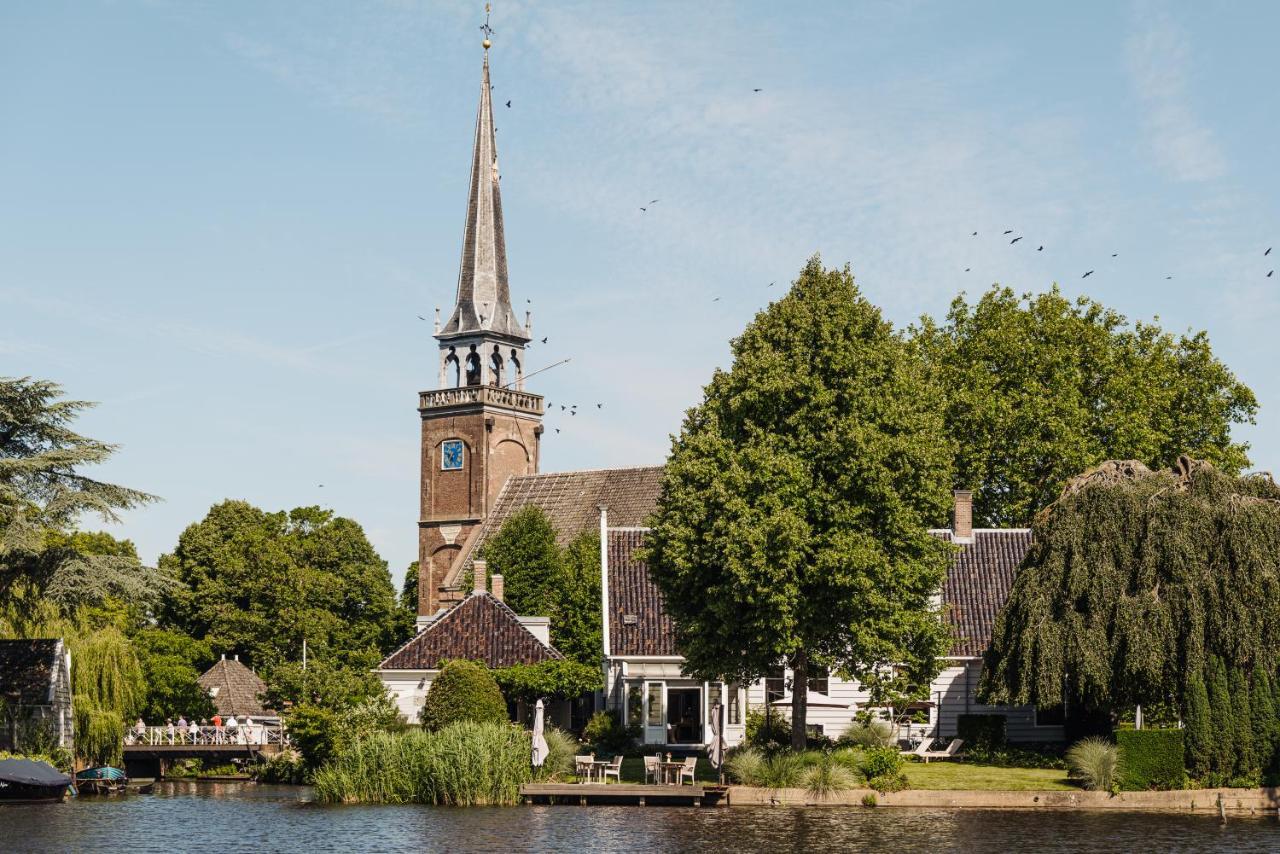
column 963, row 775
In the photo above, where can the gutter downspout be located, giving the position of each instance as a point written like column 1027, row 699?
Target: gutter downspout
column 607, row 664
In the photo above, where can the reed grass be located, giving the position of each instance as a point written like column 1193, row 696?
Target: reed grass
column 464, row 764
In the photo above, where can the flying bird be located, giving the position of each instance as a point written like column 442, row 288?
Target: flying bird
column 1015, row 240
column 966, row 269
column 1039, row 248
column 1268, row 252
column 1114, row 254
column 420, row 317
column 599, row 406
column 562, row 407
column 557, row 429
column 1167, row 278
column 1087, row 275
column 975, row 234
column 508, row 105
column 544, row 340
column 321, row 486
column 654, row 201
column 1269, row 274
column 1010, row 231
column 757, row 90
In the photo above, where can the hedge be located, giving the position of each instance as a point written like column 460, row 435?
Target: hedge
column 464, row 691
column 981, row 732
column 1151, row 759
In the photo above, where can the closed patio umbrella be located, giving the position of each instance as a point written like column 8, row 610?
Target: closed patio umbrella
column 539, row 742
column 715, row 751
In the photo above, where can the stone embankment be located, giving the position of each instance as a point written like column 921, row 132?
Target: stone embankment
column 1204, row 801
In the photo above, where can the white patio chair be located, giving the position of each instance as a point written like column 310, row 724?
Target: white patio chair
column 652, row 769
column 952, row 751
column 613, row 769
column 689, row 769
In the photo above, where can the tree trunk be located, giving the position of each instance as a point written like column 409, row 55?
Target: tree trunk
column 799, row 700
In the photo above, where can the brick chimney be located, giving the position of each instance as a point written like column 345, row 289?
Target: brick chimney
column 495, row 584
column 480, row 576
column 962, row 515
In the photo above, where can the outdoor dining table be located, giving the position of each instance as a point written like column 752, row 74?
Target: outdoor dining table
column 669, row 771
column 597, row 769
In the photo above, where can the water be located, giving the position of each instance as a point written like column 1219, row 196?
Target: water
column 234, row 817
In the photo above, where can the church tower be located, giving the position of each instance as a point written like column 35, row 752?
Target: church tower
column 479, row 427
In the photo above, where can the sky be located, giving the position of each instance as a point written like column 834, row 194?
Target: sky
column 222, row 220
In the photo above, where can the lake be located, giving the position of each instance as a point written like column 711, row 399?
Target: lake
column 234, row 817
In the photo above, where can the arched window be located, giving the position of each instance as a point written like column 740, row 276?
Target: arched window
column 452, row 369
column 495, row 367
column 473, row 367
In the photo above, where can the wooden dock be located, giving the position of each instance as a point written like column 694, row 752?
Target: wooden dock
column 586, row 794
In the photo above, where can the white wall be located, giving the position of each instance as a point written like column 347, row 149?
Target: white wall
column 408, row 688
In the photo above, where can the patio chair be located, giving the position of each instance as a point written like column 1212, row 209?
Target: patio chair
column 582, row 767
column 651, row 769
column 952, row 751
column 919, row 750
column 613, row 769
column 690, row 766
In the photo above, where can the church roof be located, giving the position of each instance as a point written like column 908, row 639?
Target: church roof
column 572, row 502
column 479, row 628
column 234, row 689
column 29, row 666
column 976, row 587
column 484, row 297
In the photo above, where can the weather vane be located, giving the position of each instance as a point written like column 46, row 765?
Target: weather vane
column 485, row 28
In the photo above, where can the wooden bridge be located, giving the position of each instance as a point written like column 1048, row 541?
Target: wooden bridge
column 149, row 752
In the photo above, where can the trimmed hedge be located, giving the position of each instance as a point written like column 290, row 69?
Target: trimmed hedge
column 464, row 691
column 981, row 732
column 1151, row 759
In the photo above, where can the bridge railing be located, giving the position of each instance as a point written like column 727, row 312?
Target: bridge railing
column 247, row 734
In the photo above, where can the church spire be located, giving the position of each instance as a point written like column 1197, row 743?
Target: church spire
column 484, row 297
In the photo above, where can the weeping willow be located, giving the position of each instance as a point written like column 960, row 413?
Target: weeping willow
column 109, row 690
column 1138, row 583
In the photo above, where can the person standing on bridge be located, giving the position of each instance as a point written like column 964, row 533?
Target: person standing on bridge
column 194, row 731
column 182, row 728
column 217, row 729
column 140, row 729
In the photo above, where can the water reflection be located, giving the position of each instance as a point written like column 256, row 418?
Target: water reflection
column 232, row 817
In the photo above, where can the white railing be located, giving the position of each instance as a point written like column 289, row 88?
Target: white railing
column 248, row 734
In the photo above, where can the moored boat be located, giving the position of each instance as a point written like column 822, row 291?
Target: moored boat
column 102, row 780
column 28, row 780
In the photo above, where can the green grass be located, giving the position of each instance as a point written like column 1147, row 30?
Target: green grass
column 963, row 775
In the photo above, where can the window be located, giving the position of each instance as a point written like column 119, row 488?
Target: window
column 714, row 690
column 813, row 730
column 635, row 703
column 818, row 679
column 735, row 706
column 775, row 684
column 1050, row 716
column 451, row 454
column 656, row 716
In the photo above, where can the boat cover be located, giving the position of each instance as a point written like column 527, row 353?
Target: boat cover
column 102, row 772
column 29, row 772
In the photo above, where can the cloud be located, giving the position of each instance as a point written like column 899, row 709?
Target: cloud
column 1158, row 60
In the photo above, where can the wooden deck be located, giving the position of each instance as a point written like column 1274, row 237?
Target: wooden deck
column 629, row 793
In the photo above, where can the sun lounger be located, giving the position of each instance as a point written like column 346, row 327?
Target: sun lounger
column 952, row 751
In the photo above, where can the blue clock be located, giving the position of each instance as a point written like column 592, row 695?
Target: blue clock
column 451, row 455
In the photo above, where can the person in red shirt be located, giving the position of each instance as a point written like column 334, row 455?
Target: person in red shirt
column 217, row 729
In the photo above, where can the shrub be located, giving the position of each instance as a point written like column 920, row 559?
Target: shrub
column 287, row 768
column 981, row 732
column 1153, row 759
column 889, row 782
column 313, row 732
column 869, row 799
column 1094, row 762
column 853, row 758
column 746, row 765
column 782, row 771
column 464, row 691
column 825, row 775
column 768, row 729
column 606, row 733
column 882, row 762
column 464, row 764
column 872, row 733
column 561, row 748
column 1043, row 756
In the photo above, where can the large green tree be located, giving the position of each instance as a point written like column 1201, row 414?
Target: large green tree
column 1040, row 387
column 45, row 492
column 1147, row 588
column 260, row 583
column 792, row 525
column 542, row 579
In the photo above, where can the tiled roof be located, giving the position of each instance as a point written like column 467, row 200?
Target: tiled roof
column 28, row 666
column 638, row 621
column 976, row 587
column 572, row 499
column 978, row 584
column 479, row 628
column 234, row 689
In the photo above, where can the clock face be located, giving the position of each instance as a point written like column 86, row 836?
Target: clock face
column 451, row 455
